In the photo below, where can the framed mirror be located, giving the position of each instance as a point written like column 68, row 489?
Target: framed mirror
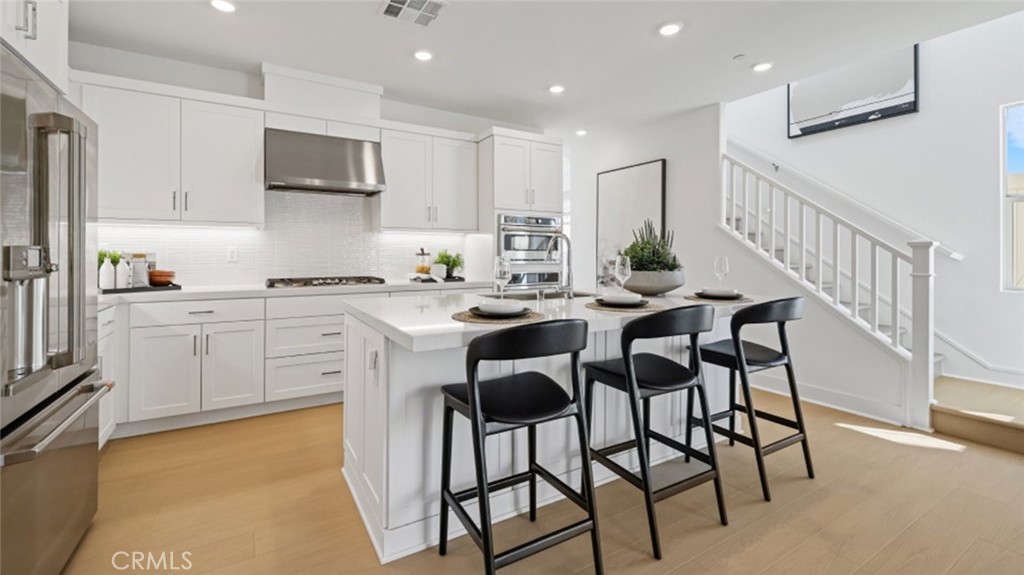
column 625, row 198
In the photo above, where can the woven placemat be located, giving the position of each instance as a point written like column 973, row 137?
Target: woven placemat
column 712, row 300
column 468, row 317
column 645, row 309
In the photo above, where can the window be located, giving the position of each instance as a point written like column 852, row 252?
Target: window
column 1013, row 124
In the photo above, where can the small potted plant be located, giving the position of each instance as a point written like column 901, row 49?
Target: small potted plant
column 453, row 262
column 656, row 269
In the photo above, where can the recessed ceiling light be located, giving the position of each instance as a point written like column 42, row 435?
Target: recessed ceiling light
column 670, row 29
column 581, row 132
column 762, row 66
column 556, row 89
column 223, row 5
column 423, row 56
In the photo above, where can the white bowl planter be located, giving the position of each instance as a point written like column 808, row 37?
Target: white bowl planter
column 655, row 283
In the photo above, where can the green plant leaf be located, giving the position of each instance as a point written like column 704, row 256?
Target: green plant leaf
column 651, row 251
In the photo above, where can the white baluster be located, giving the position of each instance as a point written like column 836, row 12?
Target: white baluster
column 819, row 248
column 803, row 239
column 760, row 210
column 855, row 275
column 894, row 313
column 874, row 286
column 772, row 222
column 836, row 276
column 789, row 232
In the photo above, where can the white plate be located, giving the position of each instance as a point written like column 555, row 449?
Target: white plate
column 719, row 292
column 621, row 298
column 502, row 307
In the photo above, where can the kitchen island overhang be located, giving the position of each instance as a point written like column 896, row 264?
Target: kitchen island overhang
column 402, row 350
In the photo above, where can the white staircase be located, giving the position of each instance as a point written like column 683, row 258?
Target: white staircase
column 884, row 290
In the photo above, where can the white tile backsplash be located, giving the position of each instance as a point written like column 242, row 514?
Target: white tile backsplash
column 305, row 235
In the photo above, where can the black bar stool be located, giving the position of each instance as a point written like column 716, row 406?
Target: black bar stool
column 513, row 402
column 746, row 357
column 644, row 376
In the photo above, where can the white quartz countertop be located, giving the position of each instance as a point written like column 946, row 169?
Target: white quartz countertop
column 425, row 323
column 259, row 291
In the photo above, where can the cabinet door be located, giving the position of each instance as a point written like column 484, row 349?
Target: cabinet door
column 232, row 364
column 45, row 44
column 408, row 173
column 292, row 123
column 140, row 148
column 546, row 177
column 455, row 189
column 222, row 163
column 106, row 351
column 511, row 174
column 165, row 372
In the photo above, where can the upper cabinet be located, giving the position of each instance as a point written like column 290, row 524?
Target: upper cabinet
column 221, row 163
column 523, row 175
column 431, row 183
column 38, row 30
column 167, row 159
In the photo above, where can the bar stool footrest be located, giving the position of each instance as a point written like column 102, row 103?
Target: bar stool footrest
column 503, row 483
column 782, row 443
column 539, row 544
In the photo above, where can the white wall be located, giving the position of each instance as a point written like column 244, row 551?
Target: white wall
column 937, row 172
column 836, row 364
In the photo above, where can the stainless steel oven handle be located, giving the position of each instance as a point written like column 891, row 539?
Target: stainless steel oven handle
column 98, row 391
column 531, row 231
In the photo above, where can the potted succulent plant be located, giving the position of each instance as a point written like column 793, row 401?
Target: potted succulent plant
column 453, row 262
column 656, row 269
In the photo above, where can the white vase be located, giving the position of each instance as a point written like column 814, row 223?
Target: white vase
column 107, row 274
column 655, row 283
column 122, row 274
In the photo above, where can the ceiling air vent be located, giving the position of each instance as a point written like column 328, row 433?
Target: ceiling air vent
column 420, row 12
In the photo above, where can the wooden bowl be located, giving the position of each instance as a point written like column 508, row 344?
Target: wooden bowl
column 161, row 278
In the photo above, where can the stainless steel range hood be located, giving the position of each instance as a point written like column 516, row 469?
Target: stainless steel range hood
column 315, row 163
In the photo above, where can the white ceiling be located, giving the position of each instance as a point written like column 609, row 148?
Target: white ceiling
column 497, row 58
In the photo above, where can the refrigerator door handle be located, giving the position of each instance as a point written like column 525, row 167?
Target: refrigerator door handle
column 45, row 126
column 98, row 390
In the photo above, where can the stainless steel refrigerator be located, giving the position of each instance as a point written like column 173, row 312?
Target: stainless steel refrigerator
column 49, row 384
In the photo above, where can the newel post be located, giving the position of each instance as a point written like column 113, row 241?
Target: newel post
column 922, row 367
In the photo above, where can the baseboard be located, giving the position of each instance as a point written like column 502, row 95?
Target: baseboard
column 883, row 412
column 221, row 415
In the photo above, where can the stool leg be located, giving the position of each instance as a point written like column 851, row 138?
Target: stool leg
column 689, row 421
column 755, row 436
column 709, row 435
column 589, row 493
column 588, row 410
column 795, row 396
column 647, row 424
column 484, row 494
column 531, row 432
column 446, row 475
column 732, row 405
column 645, row 472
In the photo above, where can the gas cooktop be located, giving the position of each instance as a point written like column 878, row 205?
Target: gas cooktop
column 324, row 281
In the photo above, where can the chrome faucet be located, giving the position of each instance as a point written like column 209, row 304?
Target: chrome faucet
column 565, row 286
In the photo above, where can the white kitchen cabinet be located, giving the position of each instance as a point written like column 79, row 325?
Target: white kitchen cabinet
column 232, row 364
column 305, row 375
column 166, row 371
column 292, row 123
column 366, row 411
column 432, row 183
column 524, row 175
column 454, row 185
column 140, row 147
column 38, row 30
column 106, row 352
column 305, row 335
column 221, row 163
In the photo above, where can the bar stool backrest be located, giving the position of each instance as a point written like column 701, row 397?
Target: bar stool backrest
column 690, row 320
column 777, row 311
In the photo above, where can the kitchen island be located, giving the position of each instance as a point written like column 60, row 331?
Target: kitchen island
column 398, row 355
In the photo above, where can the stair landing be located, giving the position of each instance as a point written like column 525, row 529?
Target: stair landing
column 981, row 412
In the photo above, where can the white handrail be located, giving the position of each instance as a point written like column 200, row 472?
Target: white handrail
column 948, row 252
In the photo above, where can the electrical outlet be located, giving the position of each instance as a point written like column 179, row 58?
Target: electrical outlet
column 232, row 255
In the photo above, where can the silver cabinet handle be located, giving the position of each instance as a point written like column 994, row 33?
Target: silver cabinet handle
column 195, row 345
column 35, row 20
column 201, row 312
column 527, row 190
column 428, row 213
column 186, row 200
column 334, row 372
column 207, row 344
column 330, row 333
column 435, row 213
column 174, row 200
column 106, row 323
column 23, row 27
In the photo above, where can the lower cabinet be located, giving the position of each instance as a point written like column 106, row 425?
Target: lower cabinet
column 107, row 353
column 305, row 375
column 176, row 370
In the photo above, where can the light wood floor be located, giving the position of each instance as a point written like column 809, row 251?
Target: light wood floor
column 265, row 497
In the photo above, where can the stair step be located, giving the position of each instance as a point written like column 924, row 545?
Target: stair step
column 981, row 412
column 861, row 306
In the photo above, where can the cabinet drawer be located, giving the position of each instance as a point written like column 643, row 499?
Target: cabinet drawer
column 311, row 305
column 105, row 321
column 302, row 376
column 191, row 312
column 305, row 335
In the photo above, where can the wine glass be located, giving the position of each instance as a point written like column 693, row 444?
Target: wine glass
column 623, row 270
column 502, row 274
column 721, row 268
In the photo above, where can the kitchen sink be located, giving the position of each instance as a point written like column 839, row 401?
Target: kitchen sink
column 532, row 295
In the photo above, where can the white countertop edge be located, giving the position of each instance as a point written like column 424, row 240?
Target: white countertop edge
column 259, row 291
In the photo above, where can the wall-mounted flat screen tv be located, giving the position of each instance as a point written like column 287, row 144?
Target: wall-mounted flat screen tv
column 874, row 89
